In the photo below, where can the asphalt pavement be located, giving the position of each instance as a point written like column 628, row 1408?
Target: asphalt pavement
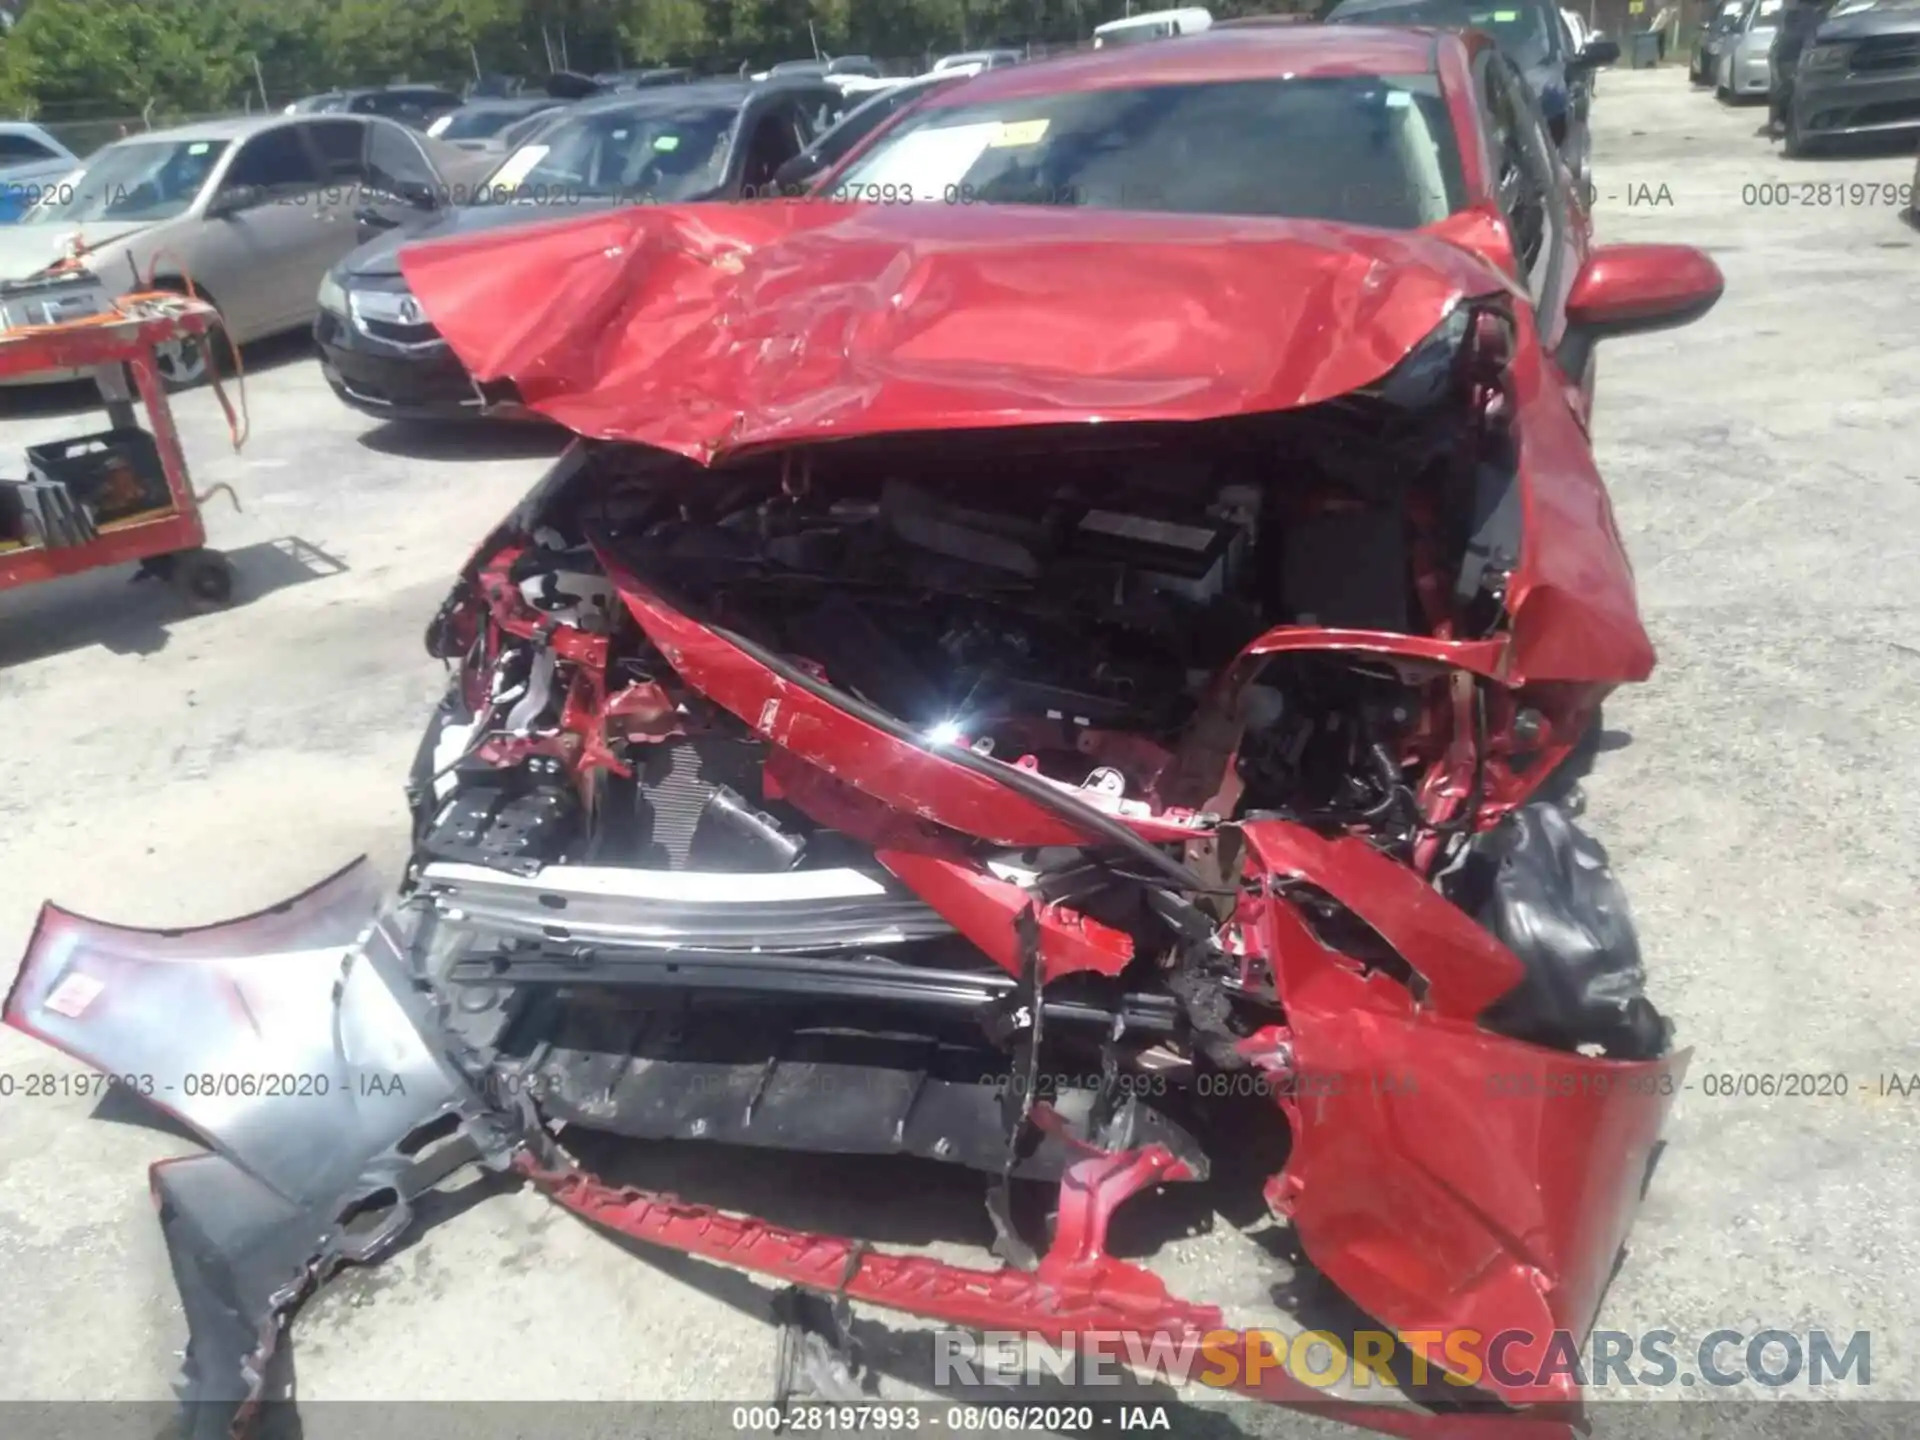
column 165, row 769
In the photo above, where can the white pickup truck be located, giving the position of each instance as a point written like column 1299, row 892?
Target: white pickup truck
column 32, row 163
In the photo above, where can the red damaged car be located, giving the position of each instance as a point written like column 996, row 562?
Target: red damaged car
column 1105, row 592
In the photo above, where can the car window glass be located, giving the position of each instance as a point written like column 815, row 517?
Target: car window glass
column 341, row 144
column 22, row 149
column 820, row 113
column 1370, row 150
column 517, row 134
column 395, row 161
column 272, row 160
column 1524, row 29
column 657, row 152
column 774, row 140
column 1524, row 180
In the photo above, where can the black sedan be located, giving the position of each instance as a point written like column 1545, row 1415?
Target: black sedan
column 674, row 144
column 1857, row 77
column 1530, row 33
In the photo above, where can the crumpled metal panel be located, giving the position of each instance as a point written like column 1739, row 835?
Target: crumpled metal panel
column 712, row 329
column 1449, row 1180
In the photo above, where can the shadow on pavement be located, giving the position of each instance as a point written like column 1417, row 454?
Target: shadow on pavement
column 466, row 439
column 107, row 608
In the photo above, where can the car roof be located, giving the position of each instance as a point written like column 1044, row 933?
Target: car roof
column 512, row 102
column 1255, row 53
column 701, row 93
column 233, row 127
column 1359, row 8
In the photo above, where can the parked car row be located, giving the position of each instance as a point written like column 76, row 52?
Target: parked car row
column 1831, row 70
column 32, row 165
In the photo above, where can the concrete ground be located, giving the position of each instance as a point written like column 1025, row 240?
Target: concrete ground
column 166, row 769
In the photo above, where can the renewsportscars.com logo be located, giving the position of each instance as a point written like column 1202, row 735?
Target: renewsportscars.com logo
column 1228, row 1359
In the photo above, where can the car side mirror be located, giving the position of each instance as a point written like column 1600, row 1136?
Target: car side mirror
column 1635, row 289
column 1631, row 289
column 1597, row 53
column 793, row 176
column 372, row 220
column 233, row 200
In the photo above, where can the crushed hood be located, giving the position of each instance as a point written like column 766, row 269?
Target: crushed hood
column 712, row 329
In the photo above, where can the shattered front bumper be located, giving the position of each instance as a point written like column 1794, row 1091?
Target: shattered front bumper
column 306, row 1047
column 292, row 1043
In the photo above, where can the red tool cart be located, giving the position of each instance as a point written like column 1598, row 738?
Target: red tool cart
column 120, row 495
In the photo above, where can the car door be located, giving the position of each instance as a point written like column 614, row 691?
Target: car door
column 263, row 244
column 342, row 145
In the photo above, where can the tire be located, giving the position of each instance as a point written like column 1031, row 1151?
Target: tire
column 204, row 579
column 1797, row 144
column 205, row 353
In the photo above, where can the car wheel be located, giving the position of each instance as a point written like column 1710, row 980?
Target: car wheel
column 186, row 363
column 182, row 363
column 1797, row 144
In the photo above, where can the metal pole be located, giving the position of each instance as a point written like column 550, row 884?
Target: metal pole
column 261, row 81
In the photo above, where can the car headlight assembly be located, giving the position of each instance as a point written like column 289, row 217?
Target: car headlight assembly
column 333, row 296
column 1824, row 57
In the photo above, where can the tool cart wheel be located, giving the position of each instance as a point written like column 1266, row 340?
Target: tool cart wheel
column 204, row 577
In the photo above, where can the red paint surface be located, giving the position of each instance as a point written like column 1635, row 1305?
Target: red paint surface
column 709, row 330
column 1444, row 1177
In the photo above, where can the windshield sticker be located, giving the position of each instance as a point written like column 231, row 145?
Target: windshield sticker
column 1399, row 100
column 1014, row 133
column 199, row 147
column 666, row 142
column 516, row 166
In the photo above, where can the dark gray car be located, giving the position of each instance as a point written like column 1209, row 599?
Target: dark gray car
column 667, row 145
column 1858, row 76
column 1531, row 34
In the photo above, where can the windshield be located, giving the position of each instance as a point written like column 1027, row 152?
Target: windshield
column 134, row 180
column 1522, row 31
column 1370, row 150
column 655, row 154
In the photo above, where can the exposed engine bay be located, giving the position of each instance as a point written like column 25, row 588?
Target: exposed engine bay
column 988, row 798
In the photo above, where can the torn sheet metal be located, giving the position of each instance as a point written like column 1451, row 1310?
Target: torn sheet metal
column 709, row 330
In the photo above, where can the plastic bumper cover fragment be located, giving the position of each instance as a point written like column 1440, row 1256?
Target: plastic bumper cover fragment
column 290, row 1042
